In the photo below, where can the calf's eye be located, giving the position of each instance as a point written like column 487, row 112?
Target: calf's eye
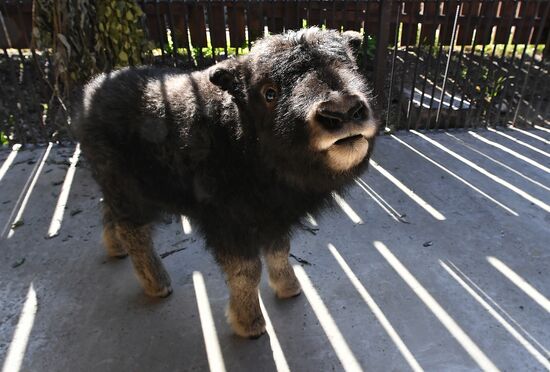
column 270, row 95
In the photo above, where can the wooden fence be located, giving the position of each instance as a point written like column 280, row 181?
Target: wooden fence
column 432, row 46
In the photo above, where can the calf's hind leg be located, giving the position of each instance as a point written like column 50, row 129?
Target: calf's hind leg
column 111, row 240
column 137, row 241
column 243, row 277
column 281, row 275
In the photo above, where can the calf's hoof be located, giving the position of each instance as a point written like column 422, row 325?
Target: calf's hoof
column 161, row 293
column 286, row 288
column 249, row 328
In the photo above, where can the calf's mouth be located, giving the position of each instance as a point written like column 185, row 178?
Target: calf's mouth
column 349, row 140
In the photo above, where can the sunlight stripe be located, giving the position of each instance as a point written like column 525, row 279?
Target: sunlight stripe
column 518, row 141
column 502, row 311
column 21, row 210
column 403, row 349
column 375, row 196
column 521, row 283
column 353, row 216
column 278, row 355
column 9, row 160
column 311, row 220
column 474, row 149
column 59, row 211
column 519, row 338
column 511, row 152
column 339, row 344
column 542, row 128
column 20, row 340
column 497, row 179
column 186, row 225
column 532, row 135
column 211, row 342
column 448, row 322
column 446, row 170
column 411, row 194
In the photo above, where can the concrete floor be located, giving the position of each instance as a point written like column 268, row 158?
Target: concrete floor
column 452, row 278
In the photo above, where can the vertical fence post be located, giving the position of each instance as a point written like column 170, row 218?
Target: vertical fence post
column 380, row 67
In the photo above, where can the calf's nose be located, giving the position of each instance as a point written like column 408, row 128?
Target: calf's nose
column 334, row 113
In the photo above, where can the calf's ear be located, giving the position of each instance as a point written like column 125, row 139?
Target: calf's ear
column 224, row 77
column 354, row 40
column 228, row 75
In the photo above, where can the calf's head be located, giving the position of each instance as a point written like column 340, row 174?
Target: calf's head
column 302, row 96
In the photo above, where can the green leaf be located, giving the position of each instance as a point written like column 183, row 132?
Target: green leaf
column 3, row 138
column 123, row 56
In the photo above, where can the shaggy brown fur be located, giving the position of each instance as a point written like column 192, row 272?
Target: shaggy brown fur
column 245, row 149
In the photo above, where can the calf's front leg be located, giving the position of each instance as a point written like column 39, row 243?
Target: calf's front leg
column 281, row 275
column 243, row 278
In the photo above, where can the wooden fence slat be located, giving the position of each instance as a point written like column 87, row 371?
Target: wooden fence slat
column 523, row 28
column 429, row 24
column 353, row 16
column 372, row 21
column 506, row 20
column 292, row 15
column 18, row 25
column 216, row 24
column 538, row 24
column 393, row 18
column 237, row 24
column 255, row 20
column 197, row 25
column 449, row 12
column 466, row 24
column 152, row 24
column 484, row 22
column 180, row 24
column 410, row 25
column 274, row 15
column 315, row 13
column 188, row 18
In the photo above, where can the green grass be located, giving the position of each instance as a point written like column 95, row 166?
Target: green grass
column 3, row 139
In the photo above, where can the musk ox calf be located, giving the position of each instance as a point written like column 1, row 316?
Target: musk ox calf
column 245, row 149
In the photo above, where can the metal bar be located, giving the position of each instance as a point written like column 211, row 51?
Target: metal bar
column 539, row 35
column 488, row 31
column 443, row 29
column 405, row 59
column 392, row 65
column 451, row 47
column 381, row 49
column 471, row 56
column 535, row 86
column 410, row 107
column 506, row 71
column 189, row 42
column 538, row 107
column 308, row 13
column 519, row 69
column 427, row 64
column 173, row 34
column 17, row 108
column 247, row 34
column 209, row 14
column 490, row 67
column 333, row 15
column 25, row 67
column 162, row 34
column 459, row 63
